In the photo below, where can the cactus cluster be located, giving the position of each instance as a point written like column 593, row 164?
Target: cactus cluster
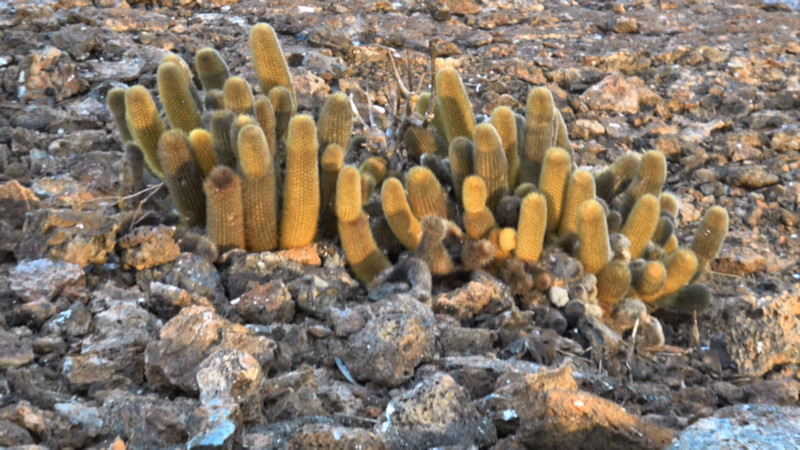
column 500, row 195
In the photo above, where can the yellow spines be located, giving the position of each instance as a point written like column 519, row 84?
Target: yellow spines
column 335, row 124
column 478, row 219
column 214, row 100
column 553, row 183
column 237, row 96
column 524, row 189
column 505, row 242
column 270, row 63
column 594, row 250
column 301, row 197
column 179, row 105
column 331, row 163
column 281, row 99
column 456, row 109
column 182, row 177
column 185, row 70
column 612, row 284
column 671, row 245
column 358, row 244
column 241, row 121
column 224, row 210
column 669, row 204
column 641, row 224
column 649, row 179
column 710, row 235
column 145, row 125
column 617, row 176
column 539, row 134
column 648, row 277
column 259, row 196
column 116, row 104
column 532, row 227
column 681, row 266
column 398, row 214
column 460, row 153
column 221, row 122
column 211, row 68
column 694, row 297
column 421, row 108
column 505, row 122
column 425, row 194
column 562, row 137
column 580, row 188
column 202, row 146
column 375, row 166
column 420, row 141
column 489, row 161
column 265, row 116
column 664, row 229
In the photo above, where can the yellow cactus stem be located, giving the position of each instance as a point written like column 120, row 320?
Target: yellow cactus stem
column 421, row 108
column 553, row 184
column 649, row 179
column 594, row 250
column 183, row 177
column 237, row 96
column 145, row 125
column 368, row 185
column 431, row 248
column 221, row 122
column 259, row 196
column 456, row 109
column 187, row 76
column 331, row 163
column 179, row 105
column 524, row 189
column 532, row 227
column 281, row 99
column 580, row 188
column 211, row 69
column 423, row 141
column 265, row 116
column 398, row 214
column 425, row 194
column 648, row 277
column 617, row 176
column 241, row 121
column 202, row 146
column 224, row 209
column 460, row 152
column 375, row 166
column 301, row 196
column 215, row 100
column 270, row 63
column 360, row 249
column 490, row 163
column 335, row 125
column 664, row 229
column 562, row 137
column 505, row 122
column 692, row 298
column 505, row 242
column 681, row 266
column 540, row 134
column 116, row 104
column 709, row 237
column 641, row 224
column 478, row 219
column 613, row 283
column 669, row 204
column 671, row 245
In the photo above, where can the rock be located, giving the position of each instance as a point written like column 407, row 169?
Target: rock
column 15, row 351
column 484, row 295
column 616, row 94
column 167, row 300
column 787, row 139
column 190, row 272
column 191, row 336
column 49, row 72
column 623, row 25
column 220, row 430
column 329, row 37
column 149, row 420
column 749, row 426
column 80, row 238
column 78, row 40
column 33, row 314
column 436, row 412
column 13, row 435
column 266, row 304
column 232, row 376
column 74, row 321
column 546, row 410
column 739, row 260
column 293, row 395
column 457, row 341
column 749, row 177
column 329, row 68
column 314, row 295
column 334, row 437
column 43, row 279
column 397, row 337
column 147, row 247
column 26, row 415
column 89, row 419
column 15, row 201
column 311, row 90
column 586, row 129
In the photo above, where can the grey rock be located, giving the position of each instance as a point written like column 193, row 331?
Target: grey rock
column 49, row 72
column 266, row 304
column 78, row 40
column 73, row 321
column 232, row 376
column 615, row 93
column 190, row 272
column 744, row 426
column 220, row 429
column 15, row 350
column 749, row 176
column 13, row 435
column 43, row 279
column 33, row 314
column 335, row 437
column 436, row 412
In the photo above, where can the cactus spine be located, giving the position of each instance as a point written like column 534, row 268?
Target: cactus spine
column 649, row 179
column 224, row 209
column 709, row 237
column 456, row 109
column 539, row 134
column 579, row 189
column 617, row 176
column 301, row 197
column 398, row 214
column 490, row 163
column 237, row 96
column 478, row 219
column 269, row 61
column 221, row 123
column 179, row 104
column 553, row 183
column 281, row 99
column 425, row 194
column 145, row 125
column 460, row 152
column 203, row 149
column 641, row 224
column 335, row 124
column 116, row 104
column 259, row 196
column 612, row 284
column 505, row 123
column 594, row 250
column 532, row 227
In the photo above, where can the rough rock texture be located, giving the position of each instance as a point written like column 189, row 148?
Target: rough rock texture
column 749, row 426
column 44, row 279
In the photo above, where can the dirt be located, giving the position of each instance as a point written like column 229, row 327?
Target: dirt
column 124, row 325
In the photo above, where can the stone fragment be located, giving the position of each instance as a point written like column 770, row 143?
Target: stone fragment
column 748, row 426
column 483, row 295
column 335, row 437
column 13, row 435
column 435, row 413
column 33, row 314
column 749, row 176
column 615, row 94
column 150, row 420
column 457, row 341
column 147, row 247
column 231, row 375
column 49, row 72
column 26, row 415
column 43, row 279
column 266, row 304
column 15, row 350
column 15, row 201
column 190, row 272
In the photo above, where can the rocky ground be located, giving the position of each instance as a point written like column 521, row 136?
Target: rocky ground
column 111, row 328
